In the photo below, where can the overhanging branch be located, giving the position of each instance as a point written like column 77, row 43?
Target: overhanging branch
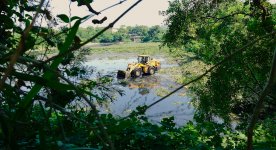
column 267, row 89
column 211, row 69
column 21, row 46
column 96, row 35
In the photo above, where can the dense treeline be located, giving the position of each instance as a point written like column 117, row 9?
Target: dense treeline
column 40, row 93
column 237, row 40
column 124, row 34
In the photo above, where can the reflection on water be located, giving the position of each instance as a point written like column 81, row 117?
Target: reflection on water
column 144, row 91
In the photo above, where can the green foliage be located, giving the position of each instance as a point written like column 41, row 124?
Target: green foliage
column 125, row 34
column 42, row 108
column 155, row 34
column 64, row 18
column 214, row 31
column 134, row 133
column 31, row 83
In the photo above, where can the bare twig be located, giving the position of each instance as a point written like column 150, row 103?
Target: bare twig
column 96, row 35
column 90, row 16
column 109, row 7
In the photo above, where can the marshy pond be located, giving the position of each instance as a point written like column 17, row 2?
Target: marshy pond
column 145, row 90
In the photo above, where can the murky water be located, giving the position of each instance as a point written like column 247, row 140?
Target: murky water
column 144, row 91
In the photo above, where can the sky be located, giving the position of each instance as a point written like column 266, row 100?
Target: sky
column 145, row 13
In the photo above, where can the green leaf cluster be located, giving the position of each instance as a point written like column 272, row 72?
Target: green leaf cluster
column 214, row 31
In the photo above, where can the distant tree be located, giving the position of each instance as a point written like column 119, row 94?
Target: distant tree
column 106, row 37
column 118, row 37
column 154, row 34
column 138, row 30
column 123, row 32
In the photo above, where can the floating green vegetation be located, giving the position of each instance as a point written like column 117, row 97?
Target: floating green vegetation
column 162, row 91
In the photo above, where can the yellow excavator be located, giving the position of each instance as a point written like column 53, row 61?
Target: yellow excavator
column 145, row 66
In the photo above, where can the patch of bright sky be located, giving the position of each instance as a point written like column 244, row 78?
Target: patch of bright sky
column 145, row 13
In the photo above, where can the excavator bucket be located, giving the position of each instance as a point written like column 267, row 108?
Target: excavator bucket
column 121, row 74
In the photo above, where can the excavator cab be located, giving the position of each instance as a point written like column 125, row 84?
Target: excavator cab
column 144, row 66
column 143, row 59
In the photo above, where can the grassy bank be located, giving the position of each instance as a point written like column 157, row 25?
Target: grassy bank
column 141, row 48
column 114, row 50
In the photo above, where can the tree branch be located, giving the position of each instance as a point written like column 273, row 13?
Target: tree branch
column 90, row 16
column 94, row 110
column 21, row 47
column 80, row 94
column 96, row 35
column 211, row 69
column 267, row 89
